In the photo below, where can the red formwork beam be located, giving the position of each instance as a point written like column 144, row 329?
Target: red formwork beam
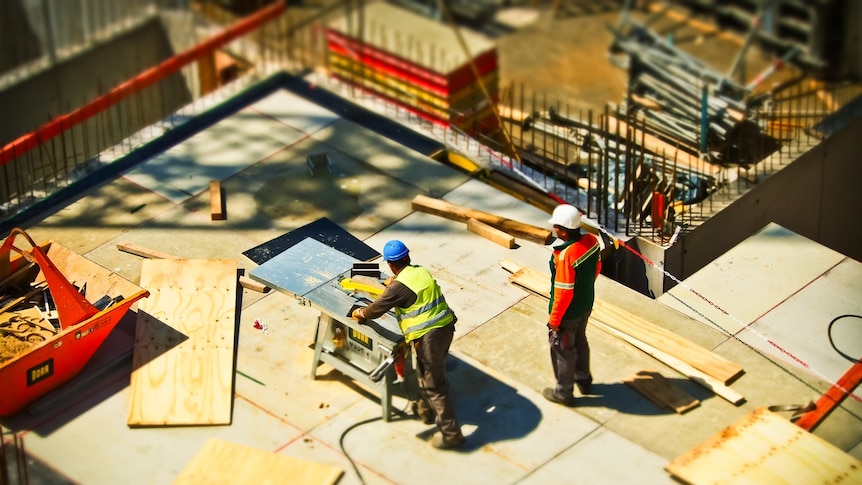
column 147, row 78
column 833, row 397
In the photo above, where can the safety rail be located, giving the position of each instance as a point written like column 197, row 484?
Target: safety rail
column 73, row 145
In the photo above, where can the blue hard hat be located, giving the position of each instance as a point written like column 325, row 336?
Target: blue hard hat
column 394, row 250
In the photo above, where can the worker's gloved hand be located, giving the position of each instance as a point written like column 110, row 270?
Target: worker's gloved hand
column 358, row 314
column 555, row 337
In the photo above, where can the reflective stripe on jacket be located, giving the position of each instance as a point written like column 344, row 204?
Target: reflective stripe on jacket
column 575, row 265
column 430, row 309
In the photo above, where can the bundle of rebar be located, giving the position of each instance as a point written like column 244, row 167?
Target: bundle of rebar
column 687, row 103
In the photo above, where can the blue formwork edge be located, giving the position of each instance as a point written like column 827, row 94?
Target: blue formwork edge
column 158, row 145
column 281, row 80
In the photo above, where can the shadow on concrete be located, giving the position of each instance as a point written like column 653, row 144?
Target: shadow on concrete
column 626, row 400
column 497, row 410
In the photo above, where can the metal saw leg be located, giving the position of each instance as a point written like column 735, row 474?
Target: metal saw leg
column 323, row 322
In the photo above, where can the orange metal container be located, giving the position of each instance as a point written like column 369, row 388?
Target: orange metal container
column 47, row 365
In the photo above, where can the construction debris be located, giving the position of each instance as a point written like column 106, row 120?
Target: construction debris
column 217, row 212
column 662, row 392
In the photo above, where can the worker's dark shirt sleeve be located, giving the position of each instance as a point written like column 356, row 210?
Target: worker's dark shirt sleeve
column 396, row 294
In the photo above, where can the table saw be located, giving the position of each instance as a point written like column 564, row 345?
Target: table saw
column 367, row 352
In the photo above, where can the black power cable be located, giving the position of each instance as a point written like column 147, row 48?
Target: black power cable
column 360, row 423
column 832, row 343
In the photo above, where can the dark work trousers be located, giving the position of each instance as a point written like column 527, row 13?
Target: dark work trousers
column 571, row 361
column 431, row 351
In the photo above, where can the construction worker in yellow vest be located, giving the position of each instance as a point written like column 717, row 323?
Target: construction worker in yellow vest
column 428, row 325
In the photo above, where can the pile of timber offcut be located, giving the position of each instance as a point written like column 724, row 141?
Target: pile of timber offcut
column 686, row 357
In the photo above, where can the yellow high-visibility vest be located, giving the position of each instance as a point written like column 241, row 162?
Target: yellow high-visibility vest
column 430, row 310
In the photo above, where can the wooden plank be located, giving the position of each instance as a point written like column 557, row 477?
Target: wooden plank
column 217, row 212
column 662, row 392
column 184, row 343
column 454, row 212
column 130, row 248
column 765, row 448
column 490, row 233
column 224, row 462
column 695, row 375
column 833, row 397
column 698, row 357
column 685, row 350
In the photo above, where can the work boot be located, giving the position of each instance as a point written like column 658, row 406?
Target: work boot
column 551, row 395
column 443, row 444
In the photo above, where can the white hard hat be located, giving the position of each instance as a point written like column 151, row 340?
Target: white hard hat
column 567, row 216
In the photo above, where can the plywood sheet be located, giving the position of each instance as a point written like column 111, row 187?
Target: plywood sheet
column 765, row 448
column 223, row 462
column 184, row 343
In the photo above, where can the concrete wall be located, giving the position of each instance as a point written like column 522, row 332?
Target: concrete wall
column 852, row 48
column 73, row 82
column 818, row 196
column 19, row 41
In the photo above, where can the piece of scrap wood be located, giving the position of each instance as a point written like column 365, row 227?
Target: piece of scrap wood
column 649, row 333
column 183, row 360
column 695, row 375
column 216, row 201
column 143, row 252
column 662, row 392
column 224, row 462
column 490, row 233
column 764, row 447
column 454, row 212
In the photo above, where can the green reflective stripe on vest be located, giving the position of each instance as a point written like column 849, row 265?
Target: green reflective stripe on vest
column 430, row 309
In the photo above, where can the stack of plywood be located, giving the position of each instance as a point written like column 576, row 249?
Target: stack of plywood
column 417, row 63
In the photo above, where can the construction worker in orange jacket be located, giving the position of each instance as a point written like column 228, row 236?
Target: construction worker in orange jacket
column 575, row 265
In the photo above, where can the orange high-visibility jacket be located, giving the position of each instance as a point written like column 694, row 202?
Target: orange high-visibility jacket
column 575, row 265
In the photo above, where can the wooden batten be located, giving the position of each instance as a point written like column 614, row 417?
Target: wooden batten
column 491, row 233
column 538, row 235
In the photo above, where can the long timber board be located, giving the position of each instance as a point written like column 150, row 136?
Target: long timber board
column 184, row 343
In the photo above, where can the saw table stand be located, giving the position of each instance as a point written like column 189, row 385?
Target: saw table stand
column 366, row 352
column 363, row 354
